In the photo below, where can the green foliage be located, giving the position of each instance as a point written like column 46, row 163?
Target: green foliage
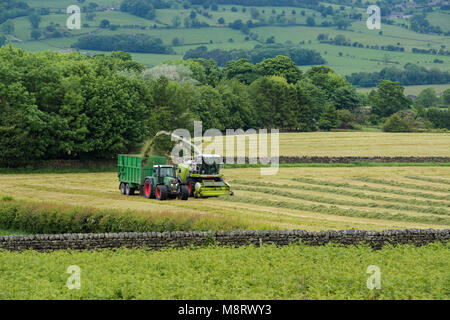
column 133, row 43
column 439, row 117
column 259, row 53
column 241, row 70
column 404, row 121
column 293, row 272
column 388, row 99
column 446, row 97
column 280, row 66
column 276, row 104
column 410, row 74
column 49, row 218
column 35, row 20
column 35, row 34
column 64, row 106
column 346, row 119
column 329, row 118
column 427, row 98
column 7, row 27
column 397, row 124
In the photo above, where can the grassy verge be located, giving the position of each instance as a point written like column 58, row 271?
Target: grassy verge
column 39, row 217
column 11, row 232
column 268, row 272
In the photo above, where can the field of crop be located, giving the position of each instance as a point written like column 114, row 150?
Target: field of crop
column 314, row 198
column 296, row 272
column 369, row 144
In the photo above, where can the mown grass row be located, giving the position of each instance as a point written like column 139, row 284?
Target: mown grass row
column 333, row 201
column 296, row 272
column 36, row 217
column 375, row 189
column 428, row 179
column 402, row 184
column 349, row 193
column 438, row 220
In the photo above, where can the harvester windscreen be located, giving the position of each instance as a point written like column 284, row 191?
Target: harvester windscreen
column 167, row 172
column 210, row 169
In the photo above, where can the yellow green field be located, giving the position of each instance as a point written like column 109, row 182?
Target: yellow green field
column 368, row 144
column 302, row 197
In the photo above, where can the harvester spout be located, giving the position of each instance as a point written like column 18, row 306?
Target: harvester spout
column 182, row 140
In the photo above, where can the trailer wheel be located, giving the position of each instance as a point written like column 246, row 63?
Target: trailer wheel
column 148, row 189
column 127, row 189
column 122, row 188
column 161, row 192
column 183, row 193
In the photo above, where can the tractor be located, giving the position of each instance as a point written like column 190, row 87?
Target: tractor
column 203, row 178
column 151, row 176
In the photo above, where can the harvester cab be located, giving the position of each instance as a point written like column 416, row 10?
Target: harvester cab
column 203, row 178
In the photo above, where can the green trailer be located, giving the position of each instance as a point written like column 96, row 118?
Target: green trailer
column 151, row 176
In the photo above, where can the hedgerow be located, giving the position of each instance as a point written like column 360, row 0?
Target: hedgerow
column 49, row 218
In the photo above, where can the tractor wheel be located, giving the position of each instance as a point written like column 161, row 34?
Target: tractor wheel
column 161, row 193
column 183, row 193
column 122, row 188
column 127, row 189
column 148, row 189
column 191, row 188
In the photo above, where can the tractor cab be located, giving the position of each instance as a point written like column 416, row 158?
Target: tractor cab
column 164, row 175
column 164, row 171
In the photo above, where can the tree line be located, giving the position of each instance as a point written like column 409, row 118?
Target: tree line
column 260, row 52
column 123, row 42
column 70, row 106
column 410, row 74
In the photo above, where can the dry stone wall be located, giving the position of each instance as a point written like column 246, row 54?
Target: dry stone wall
column 154, row 240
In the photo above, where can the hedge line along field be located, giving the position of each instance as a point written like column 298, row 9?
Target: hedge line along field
column 312, row 198
column 268, row 272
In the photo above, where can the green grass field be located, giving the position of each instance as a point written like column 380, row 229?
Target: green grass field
column 304, row 197
column 344, row 60
column 295, row 272
column 314, row 198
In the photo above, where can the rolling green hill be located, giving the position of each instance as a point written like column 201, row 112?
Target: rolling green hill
column 293, row 28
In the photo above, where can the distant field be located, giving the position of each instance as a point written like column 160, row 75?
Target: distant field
column 415, row 90
column 361, row 144
column 344, row 60
column 296, row 272
column 441, row 19
column 296, row 198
